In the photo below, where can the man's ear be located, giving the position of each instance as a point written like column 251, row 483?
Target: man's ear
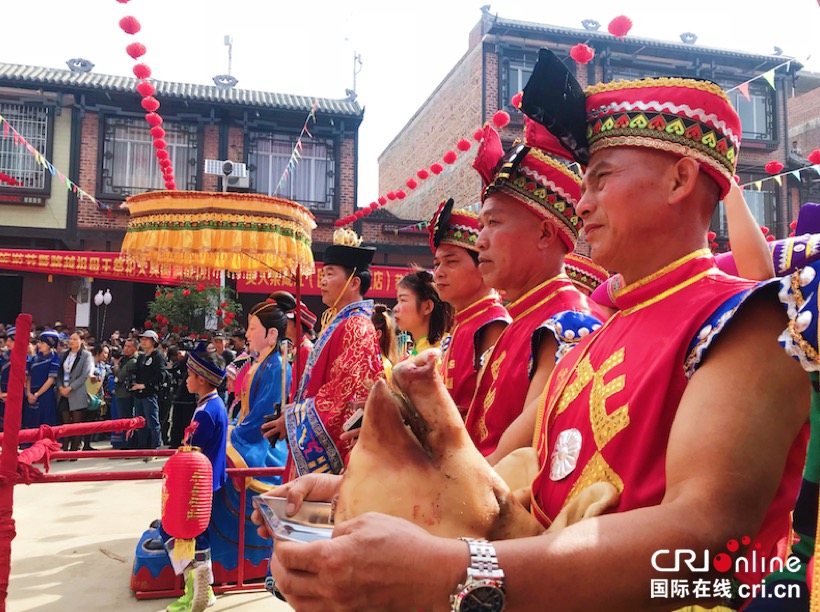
column 355, row 283
column 549, row 233
column 684, row 175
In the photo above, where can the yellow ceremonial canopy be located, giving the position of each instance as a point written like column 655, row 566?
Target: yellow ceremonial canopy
column 249, row 236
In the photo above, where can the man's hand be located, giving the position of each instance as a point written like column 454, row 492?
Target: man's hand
column 373, row 562
column 275, row 428
column 311, row 487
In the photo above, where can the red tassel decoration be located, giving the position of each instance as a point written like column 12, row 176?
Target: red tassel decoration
column 582, row 53
column 130, row 25
column 463, row 145
column 151, row 104
column 146, row 89
column 501, row 119
column 153, row 119
column 142, row 71
column 450, row 157
column 135, row 50
column 814, row 156
column 620, row 26
column 773, row 167
column 436, row 168
column 412, row 184
column 423, row 174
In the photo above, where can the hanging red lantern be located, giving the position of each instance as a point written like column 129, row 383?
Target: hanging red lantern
column 159, row 143
column 142, row 71
column 165, row 163
column 450, row 157
column 478, row 135
column 157, row 132
column 338, row 223
column 773, row 167
column 153, row 119
column 582, row 53
column 401, row 194
column 770, row 238
column 130, row 25
column 620, row 26
column 150, row 104
column 814, row 156
column 374, row 205
column 516, row 101
column 436, row 168
column 391, row 195
column 162, row 154
column 463, row 145
column 501, row 119
column 411, row 183
column 135, row 50
column 187, row 491
column 382, row 200
column 146, row 89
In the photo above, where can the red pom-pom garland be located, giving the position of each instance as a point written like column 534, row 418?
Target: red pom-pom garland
column 501, row 119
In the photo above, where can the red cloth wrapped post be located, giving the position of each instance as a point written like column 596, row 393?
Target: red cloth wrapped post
column 187, row 483
column 8, row 460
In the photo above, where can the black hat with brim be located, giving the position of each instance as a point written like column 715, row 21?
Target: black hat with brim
column 349, row 256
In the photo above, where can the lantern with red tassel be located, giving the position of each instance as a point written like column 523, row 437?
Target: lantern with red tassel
column 582, row 53
column 620, row 26
column 773, row 167
column 187, row 491
column 814, row 156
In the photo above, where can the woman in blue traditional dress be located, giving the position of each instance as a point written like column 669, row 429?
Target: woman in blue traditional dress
column 43, row 370
column 263, row 390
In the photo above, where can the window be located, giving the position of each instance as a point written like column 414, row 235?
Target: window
column 310, row 182
column 16, row 160
column 130, row 164
column 515, row 70
column 761, row 203
column 756, row 113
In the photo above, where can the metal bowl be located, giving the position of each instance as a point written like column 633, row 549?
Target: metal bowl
column 313, row 521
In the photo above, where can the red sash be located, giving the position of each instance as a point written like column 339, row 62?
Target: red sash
column 505, row 377
column 458, row 364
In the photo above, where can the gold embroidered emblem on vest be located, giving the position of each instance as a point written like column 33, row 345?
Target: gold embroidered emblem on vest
column 496, row 366
column 596, row 470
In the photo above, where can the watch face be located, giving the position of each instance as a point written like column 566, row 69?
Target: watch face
column 484, row 598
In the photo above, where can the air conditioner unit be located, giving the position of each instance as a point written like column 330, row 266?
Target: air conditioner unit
column 239, row 182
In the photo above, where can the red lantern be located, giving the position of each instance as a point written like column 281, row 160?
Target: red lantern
column 338, row 223
column 382, row 200
column 411, row 183
column 814, row 156
column 436, row 168
column 146, row 89
column 359, row 214
column 516, row 101
column 401, row 194
column 501, row 119
column 422, row 174
column 142, row 71
column 153, row 119
column 620, row 26
column 391, row 195
column 187, row 491
column 773, row 167
column 150, row 104
column 582, row 53
column 135, row 50
column 130, row 25
column 162, row 154
column 374, row 205
column 450, row 157
column 463, row 145
column 170, row 185
column 711, row 236
column 157, row 132
column 165, row 163
column 159, row 143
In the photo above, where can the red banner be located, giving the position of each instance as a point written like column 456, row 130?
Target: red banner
column 385, row 279
column 96, row 264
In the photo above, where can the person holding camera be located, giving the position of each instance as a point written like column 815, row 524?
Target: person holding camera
column 124, row 378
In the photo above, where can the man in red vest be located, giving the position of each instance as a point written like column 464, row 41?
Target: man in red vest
column 682, row 408
column 479, row 315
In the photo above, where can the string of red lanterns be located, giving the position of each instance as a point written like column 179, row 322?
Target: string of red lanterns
column 145, row 88
column 500, row 119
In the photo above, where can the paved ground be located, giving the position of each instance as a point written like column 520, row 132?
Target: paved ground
column 75, row 544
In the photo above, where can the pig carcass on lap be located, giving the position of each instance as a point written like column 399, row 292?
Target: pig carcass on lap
column 414, row 459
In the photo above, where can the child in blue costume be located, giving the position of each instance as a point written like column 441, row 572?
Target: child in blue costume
column 209, row 427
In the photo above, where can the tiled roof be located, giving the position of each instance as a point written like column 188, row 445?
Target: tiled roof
column 38, row 75
column 513, row 24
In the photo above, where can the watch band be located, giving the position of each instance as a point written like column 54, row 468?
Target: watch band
column 483, row 561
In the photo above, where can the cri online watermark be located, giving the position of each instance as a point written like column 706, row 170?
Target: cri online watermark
column 754, row 561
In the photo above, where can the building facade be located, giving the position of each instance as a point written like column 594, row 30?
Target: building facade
column 91, row 129
column 499, row 60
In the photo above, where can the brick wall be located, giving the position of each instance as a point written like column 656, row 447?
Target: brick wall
column 452, row 112
column 210, row 150
column 89, row 215
column 804, row 121
column 346, row 195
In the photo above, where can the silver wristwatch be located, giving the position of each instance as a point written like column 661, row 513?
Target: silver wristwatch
column 484, row 587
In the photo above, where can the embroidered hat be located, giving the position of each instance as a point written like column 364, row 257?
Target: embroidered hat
column 345, row 251
column 50, row 337
column 306, row 317
column 584, row 273
column 199, row 364
column 540, row 180
column 458, row 227
column 685, row 117
column 808, row 219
